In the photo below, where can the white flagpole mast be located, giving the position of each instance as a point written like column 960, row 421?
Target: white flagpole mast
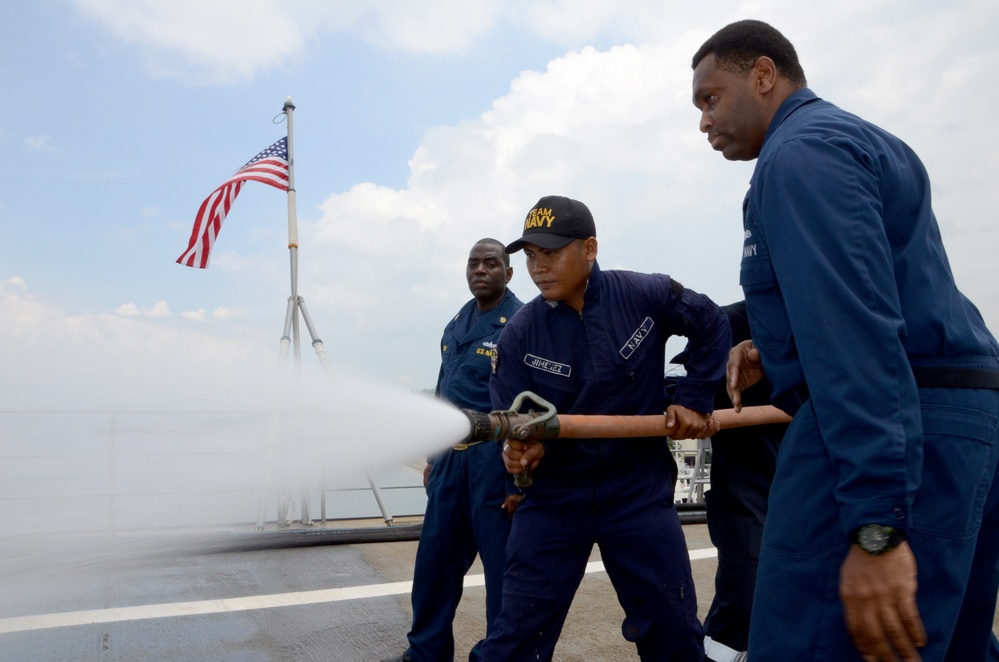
column 289, row 110
column 291, row 328
column 295, row 302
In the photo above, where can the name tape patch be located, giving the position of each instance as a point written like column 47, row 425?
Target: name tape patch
column 554, row 367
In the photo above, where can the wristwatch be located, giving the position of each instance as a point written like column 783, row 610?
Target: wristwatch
column 877, row 539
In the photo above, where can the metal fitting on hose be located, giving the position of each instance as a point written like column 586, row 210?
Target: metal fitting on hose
column 481, row 426
column 512, row 424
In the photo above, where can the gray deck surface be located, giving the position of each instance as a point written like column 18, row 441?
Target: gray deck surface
column 271, row 604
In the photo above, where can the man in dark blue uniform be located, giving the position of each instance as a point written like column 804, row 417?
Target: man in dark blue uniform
column 468, row 507
column 886, row 477
column 743, row 461
column 594, row 343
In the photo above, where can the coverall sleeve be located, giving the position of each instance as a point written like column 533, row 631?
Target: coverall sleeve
column 702, row 322
column 822, row 222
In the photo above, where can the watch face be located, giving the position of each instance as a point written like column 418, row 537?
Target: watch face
column 872, row 538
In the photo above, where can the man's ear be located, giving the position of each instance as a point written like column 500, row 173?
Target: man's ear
column 764, row 75
column 590, row 249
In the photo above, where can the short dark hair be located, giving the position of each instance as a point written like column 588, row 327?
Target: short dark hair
column 499, row 244
column 738, row 45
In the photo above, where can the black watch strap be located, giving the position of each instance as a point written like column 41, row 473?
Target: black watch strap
column 877, row 539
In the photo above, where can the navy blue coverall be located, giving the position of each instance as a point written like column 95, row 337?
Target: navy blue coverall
column 616, row 493
column 465, row 492
column 886, row 368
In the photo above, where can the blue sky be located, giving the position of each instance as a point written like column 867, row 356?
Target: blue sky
column 420, row 128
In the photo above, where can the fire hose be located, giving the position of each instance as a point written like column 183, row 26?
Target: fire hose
column 533, row 426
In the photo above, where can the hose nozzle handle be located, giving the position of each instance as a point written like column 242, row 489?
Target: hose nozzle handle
column 512, row 424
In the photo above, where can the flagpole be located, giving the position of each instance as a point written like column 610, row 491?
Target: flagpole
column 297, row 303
column 289, row 109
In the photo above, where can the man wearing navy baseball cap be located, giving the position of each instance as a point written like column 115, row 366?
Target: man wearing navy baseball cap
column 594, row 342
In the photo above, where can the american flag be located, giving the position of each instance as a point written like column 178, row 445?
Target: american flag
column 269, row 166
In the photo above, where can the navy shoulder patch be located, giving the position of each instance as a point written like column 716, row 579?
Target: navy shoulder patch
column 636, row 338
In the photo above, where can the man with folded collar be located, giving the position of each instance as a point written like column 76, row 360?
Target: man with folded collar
column 594, row 342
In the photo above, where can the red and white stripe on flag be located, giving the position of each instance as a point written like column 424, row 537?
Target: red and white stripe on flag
column 269, row 167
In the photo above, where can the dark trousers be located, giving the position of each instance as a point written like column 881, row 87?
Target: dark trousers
column 743, row 461
column 645, row 556
column 464, row 517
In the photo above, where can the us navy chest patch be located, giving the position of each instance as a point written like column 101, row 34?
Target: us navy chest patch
column 487, row 349
column 554, row 367
column 636, row 338
column 748, row 249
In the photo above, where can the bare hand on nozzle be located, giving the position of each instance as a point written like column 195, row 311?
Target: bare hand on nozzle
column 744, row 369
column 518, row 455
column 684, row 423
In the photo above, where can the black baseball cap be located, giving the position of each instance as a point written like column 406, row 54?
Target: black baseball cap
column 554, row 222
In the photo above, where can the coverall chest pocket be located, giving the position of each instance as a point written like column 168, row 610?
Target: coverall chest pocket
column 478, row 359
column 768, row 320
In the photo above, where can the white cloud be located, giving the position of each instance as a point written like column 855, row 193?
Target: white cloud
column 57, row 361
column 431, row 26
column 223, row 40
column 128, row 310
column 234, row 40
column 161, row 309
column 575, row 22
column 196, row 315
